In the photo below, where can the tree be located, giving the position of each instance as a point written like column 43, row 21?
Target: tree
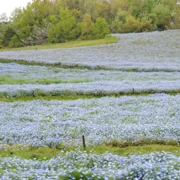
column 62, row 27
column 87, row 28
column 9, row 33
column 132, row 24
column 101, row 28
column 145, row 25
column 4, row 23
column 162, row 14
column 30, row 22
column 102, row 10
column 176, row 17
column 3, row 18
column 119, row 21
column 63, row 20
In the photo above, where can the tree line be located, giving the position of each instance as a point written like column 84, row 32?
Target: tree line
column 57, row 21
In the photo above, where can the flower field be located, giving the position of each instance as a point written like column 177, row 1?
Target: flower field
column 130, row 98
column 91, row 166
column 142, row 51
column 19, row 80
column 50, row 123
column 36, row 74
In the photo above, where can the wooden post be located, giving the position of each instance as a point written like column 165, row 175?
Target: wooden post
column 133, row 90
column 84, row 144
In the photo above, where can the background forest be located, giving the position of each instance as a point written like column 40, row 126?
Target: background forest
column 56, row 21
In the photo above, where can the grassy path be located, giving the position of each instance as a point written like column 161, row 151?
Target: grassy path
column 42, row 153
column 78, row 43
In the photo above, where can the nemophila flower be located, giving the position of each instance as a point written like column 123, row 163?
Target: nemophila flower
column 125, row 119
column 47, row 75
column 158, row 52
column 90, row 88
column 76, row 164
column 120, row 120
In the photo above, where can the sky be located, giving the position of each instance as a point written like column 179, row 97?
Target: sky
column 7, row 6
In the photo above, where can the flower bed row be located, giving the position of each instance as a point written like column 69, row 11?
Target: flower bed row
column 30, row 74
column 153, row 50
column 124, row 120
column 100, row 88
column 80, row 165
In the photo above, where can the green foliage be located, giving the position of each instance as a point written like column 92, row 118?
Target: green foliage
column 145, row 25
column 132, row 24
column 31, row 24
column 87, row 27
column 3, row 28
column 62, row 27
column 44, row 153
column 162, row 16
column 101, row 28
column 119, row 21
column 176, row 17
column 56, row 21
column 14, row 42
column 111, row 39
column 9, row 33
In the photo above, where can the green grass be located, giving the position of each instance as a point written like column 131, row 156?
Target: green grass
column 4, row 97
column 7, row 79
column 49, row 98
column 76, row 66
column 71, row 44
column 40, row 96
column 144, row 149
column 145, row 141
column 43, row 153
column 56, row 65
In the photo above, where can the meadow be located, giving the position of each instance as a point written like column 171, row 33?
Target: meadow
column 123, row 97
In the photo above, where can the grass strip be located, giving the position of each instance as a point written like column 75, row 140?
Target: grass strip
column 145, row 141
column 71, row 44
column 89, row 67
column 43, row 153
column 7, row 79
column 48, row 98
column 37, row 95
column 5, row 98
column 59, row 64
